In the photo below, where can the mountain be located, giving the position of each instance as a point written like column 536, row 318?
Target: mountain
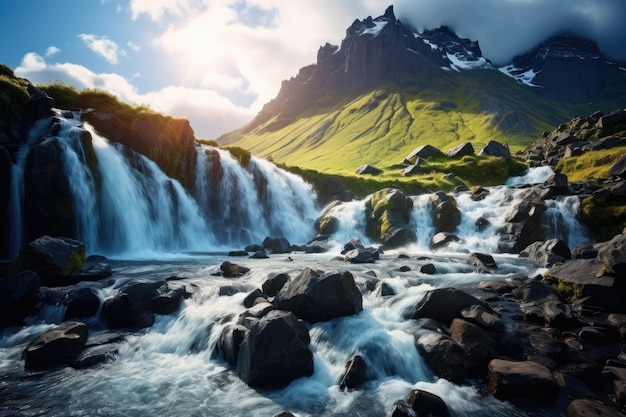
column 388, row 89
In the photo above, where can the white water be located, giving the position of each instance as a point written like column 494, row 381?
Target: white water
column 559, row 221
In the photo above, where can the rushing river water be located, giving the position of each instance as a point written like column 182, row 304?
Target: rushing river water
column 153, row 229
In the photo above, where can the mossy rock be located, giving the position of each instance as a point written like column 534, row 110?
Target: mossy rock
column 242, row 155
column 604, row 219
column 328, row 225
column 389, row 199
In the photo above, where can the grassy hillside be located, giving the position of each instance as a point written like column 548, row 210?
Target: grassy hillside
column 383, row 125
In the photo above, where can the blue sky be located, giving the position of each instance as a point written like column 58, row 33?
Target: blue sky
column 217, row 62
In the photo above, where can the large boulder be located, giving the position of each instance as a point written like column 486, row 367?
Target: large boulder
column 590, row 408
column 59, row 345
column 482, row 262
column 55, row 260
column 368, row 170
column 494, row 148
column 277, row 244
column 120, row 312
column 446, row 357
column 424, row 152
column 526, row 379
column 546, row 254
column 619, row 168
column 524, row 223
column 464, row 149
column 445, row 304
column 479, row 343
column 446, row 215
column 613, row 255
column 355, row 373
column 18, row 298
column 388, row 213
column 274, row 351
column 315, row 297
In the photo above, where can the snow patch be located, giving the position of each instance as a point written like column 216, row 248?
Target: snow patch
column 458, row 64
column 525, row 78
column 379, row 25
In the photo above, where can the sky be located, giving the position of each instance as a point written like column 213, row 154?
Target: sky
column 216, row 62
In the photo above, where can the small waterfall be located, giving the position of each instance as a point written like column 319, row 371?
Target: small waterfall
column 16, row 196
column 560, row 221
column 422, row 220
column 536, row 175
column 351, row 217
column 245, row 205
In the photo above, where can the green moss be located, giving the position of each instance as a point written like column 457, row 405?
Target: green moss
column 64, row 96
column 603, row 219
column 208, row 142
column 242, row 155
column 593, row 164
column 568, row 291
column 13, row 99
column 328, row 225
column 75, row 263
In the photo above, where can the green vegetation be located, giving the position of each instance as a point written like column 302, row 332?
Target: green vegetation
column 593, row 164
column 604, row 220
column 13, row 96
column 240, row 154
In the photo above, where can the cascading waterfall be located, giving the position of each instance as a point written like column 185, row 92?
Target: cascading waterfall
column 245, row 205
column 560, row 221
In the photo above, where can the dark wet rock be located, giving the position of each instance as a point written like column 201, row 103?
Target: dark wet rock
column 464, row 149
column 284, row 414
column 447, row 358
column 154, row 297
column 424, row 403
column 277, row 244
column 482, row 262
column 254, row 297
column 446, row 215
column 326, row 225
column 120, row 312
column 591, row 408
column 413, row 169
column 429, row 269
column 556, row 184
column 385, row 290
column 477, row 341
column 19, row 296
column 619, row 168
column 351, row 245
column 316, row 297
column 445, row 304
column 274, row 283
column 58, row 346
column 368, row 170
column 94, row 271
column 355, row 373
column 259, row 255
column 237, row 253
column 559, row 315
column 55, row 260
column 484, row 318
column 254, row 248
column 527, row 379
column 81, row 302
column 479, row 193
column 361, row 256
column 498, row 287
column 95, row 355
column 388, row 213
column 274, row 351
column 584, row 252
column 613, row 255
column 494, row 148
column 524, row 223
column 256, row 311
column 442, row 239
column 231, row 270
column 403, row 268
column 535, row 291
column 547, row 253
column 229, row 341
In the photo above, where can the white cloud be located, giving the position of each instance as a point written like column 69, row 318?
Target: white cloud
column 157, row 8
column 103, row 46
column 133, row 46
column 52, row 50
column 209, row 113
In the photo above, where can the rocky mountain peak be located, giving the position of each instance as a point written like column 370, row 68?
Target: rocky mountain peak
column 369, row 26
column 461, row 53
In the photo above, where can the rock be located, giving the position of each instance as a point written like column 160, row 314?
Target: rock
column 274, row 283
column 237, row 253
column 385, row 290
column 355, row 373
column 464, row 149
column 494, row 148
column 480, row 316
column 368, row 170
column 39, row 105
column 425, row 152
column 55, row 260
column 429, row 269
column 475, row 340
column 5, row 191
column 412, row 169
column 442, row 239
column 535, row 291
column 257, row 311
column 619, row 168
column 316, row 297
column 19, row 296
column 58, row 346
column 326, row 225
column 482, row 262
column 427, row 404
column 584, row 252
column 274, row 351
column 444, row 304
column 482, row 224
column 499, row 287
column 119, row 312
column 557, row 184
column 81, row 302
column 591, row 408
column 353, row 244
column 479, row 193
column 284, row 414
column 388, row 214
column 447, row 358
column 94, row 355
column 446, row 215
column 527, row 379
column 546, row 254
column 94, row 271
column 277, row 245
column 254, row 297
column 613, row 255
column 361, row 256
column 523, row 225
column 229, row 342
column 259, row 255
column 254, row 248
column 231, row 270
column 559, row 315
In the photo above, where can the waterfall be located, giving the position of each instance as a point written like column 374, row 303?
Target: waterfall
column 560, row 221
column 244, row 205
column 422, row 221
